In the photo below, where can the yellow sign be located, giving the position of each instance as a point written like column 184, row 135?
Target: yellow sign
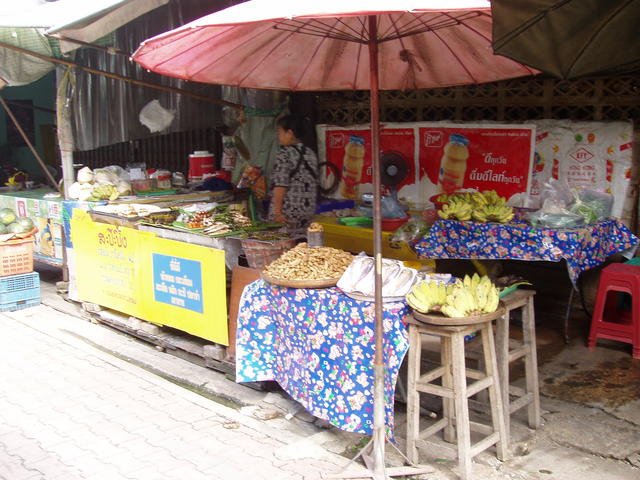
column 184, row 287
column 163, row 281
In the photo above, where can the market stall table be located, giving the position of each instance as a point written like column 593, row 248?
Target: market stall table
column 318, row 344
column 582, row 247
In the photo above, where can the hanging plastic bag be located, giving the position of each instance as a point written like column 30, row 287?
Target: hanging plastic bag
column 155, row 117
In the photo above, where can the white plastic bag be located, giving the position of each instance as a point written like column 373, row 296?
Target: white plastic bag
column 155, row 117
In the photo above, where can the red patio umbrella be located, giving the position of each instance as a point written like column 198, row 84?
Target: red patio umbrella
column 316, row 45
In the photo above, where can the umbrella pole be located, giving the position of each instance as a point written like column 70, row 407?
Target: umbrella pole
column 378, row 437
column 374, row 452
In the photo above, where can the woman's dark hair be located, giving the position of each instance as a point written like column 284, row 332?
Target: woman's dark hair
column 295, row 123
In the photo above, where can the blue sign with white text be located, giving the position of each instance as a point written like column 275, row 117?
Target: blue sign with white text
column 178, row 282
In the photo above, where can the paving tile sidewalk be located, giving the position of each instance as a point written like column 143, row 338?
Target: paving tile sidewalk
column 121, row 418
column 71, row 411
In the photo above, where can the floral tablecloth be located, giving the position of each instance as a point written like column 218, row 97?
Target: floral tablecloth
column 318, row 344
column 582, row 247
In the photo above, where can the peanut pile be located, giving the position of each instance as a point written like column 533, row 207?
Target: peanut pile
column 304, row 263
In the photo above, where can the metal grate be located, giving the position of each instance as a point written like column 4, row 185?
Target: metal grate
column 517, row 100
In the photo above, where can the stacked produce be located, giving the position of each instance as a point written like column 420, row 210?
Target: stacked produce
column 487, row 206
column 304, row 263
column 10, row 223
column 102, row 184
column 467, row 297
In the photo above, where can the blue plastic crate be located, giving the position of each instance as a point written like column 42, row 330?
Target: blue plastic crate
column 20, row 295
column 19, row 305
column 22, row 281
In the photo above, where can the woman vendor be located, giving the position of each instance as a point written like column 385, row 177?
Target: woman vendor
column 294, row 178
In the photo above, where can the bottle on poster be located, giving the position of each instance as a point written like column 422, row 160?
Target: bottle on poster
column 352, row 165
column 453, row 164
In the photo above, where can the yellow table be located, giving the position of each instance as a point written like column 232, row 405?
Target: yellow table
column 360, row 239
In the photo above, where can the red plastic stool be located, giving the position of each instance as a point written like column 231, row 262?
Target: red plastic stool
column 610, row 322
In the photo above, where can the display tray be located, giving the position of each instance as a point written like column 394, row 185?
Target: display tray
column 154, row 193
column 321, row 283
column 440, row 319
column 370, row 298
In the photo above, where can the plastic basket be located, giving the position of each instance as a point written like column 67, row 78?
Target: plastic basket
column 16, row 256
column 20, row 296
column 23, row 281
column 260, row 254
column 19, row 305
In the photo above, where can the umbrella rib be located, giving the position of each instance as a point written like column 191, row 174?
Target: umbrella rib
column 456, row 56
column 508, row 37
column 407, row 56
column 320, row 29
column 306, row 67
column 324, row 38
column 405, row 29
column 422, row 26
column 265, row 57
column 204, row 42
column 595, row 34
column 488, row 39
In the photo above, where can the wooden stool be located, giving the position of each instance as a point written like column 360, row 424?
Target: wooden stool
column 506, row 353
column 454, row 389
column 611, row 322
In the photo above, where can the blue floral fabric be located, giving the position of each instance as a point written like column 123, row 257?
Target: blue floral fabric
column 582, row 247
column 319, row 344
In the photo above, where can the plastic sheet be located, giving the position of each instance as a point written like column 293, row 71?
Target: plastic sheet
column 105, row 110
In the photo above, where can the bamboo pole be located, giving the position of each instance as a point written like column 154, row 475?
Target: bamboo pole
column 121, row 77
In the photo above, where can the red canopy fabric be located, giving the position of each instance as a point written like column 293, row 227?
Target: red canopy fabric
column 322, row 45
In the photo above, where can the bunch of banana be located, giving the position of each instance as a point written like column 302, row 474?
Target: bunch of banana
column 456, row 209
column 500, row 213
column 487, row 206
column 428, row 296
column 471, row 296
column 491, row 197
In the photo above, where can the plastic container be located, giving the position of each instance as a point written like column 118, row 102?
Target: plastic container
column 260, row 254
column 19, row 291
column 16, row 256
column 143, row 185
column 201, row 165
column 315, row 239
column 391, row 224
column 164, row 181
column 22, row 281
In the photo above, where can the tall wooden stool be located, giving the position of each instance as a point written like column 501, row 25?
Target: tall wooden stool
column 454, row 389
column 507, row 352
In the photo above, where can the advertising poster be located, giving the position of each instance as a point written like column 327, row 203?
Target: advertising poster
column 349, row 149
column 47, row 218
column 594, row 155
column 483, row 157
